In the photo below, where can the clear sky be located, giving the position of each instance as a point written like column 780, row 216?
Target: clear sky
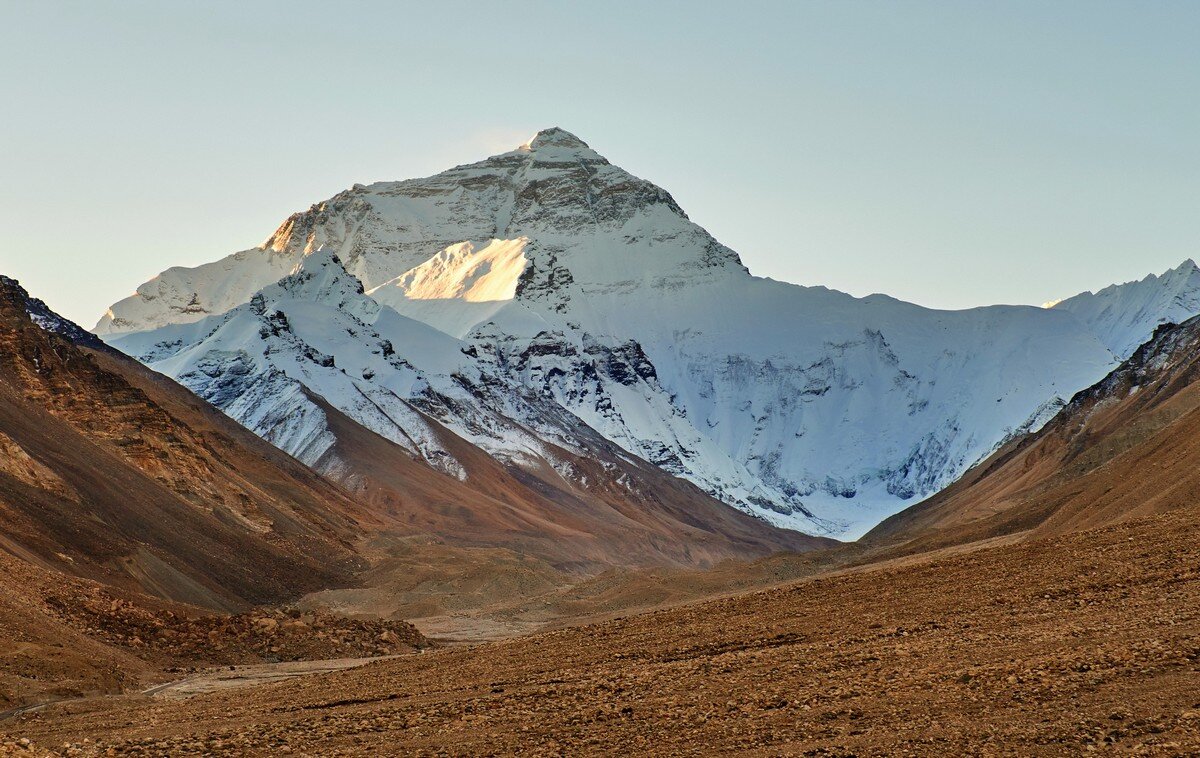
column 952, row 154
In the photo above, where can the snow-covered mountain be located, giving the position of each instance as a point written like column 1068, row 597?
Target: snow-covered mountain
column 315, row 333
column 1124, row 316
column 545, row 293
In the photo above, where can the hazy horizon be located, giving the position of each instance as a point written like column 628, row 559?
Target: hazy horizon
column 950, row 155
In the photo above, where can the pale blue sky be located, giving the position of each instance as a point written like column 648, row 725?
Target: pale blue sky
column 952, row 154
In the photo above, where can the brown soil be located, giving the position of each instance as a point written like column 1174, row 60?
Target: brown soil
column 226, row 678
column 42, row 657
column 117, row 474
column 630, row 514
column 460, row 595
column 65, row 637
column 1042, row 647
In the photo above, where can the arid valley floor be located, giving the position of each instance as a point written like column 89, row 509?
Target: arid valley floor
column 1088, row 641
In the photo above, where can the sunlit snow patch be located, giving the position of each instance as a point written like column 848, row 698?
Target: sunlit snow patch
column 439, row 290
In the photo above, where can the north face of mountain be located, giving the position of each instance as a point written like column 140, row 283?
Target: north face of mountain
column 549, row 281
column 435, row 439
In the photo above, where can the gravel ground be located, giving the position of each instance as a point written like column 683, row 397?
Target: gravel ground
column 1080, row 643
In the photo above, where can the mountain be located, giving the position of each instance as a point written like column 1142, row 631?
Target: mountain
column 135, row 517
column 544, row 292
column 375, row 481
column 114, row 473
column 1127, row 447
column 1124, row 316
column 314, row 366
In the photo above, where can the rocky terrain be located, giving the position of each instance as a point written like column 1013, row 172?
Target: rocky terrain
column 67, row 638
column 114, row 473
column 271, row 634
column 1049, row 647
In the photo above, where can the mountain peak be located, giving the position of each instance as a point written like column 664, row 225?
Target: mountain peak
column 321, row 258
column 554, row 137
column 15, row 299
column 320, row 275
column 1180, row 276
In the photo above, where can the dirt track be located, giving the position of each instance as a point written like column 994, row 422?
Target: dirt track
column 1049, row 647
column 238, row 677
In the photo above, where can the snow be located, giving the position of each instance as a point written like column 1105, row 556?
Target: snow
column 182, row 295
column 544, row 295
column 1124, row 316
column 464, row 272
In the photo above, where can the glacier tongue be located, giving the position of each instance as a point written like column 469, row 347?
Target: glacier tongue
column 545, row 295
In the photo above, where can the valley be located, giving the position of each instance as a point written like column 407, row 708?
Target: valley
column 573, row 379
column 1051, row 646
column 473, row 464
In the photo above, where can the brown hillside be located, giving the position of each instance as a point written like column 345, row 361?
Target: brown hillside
column 1043, row 647
column 630, row 514
column 114, row 473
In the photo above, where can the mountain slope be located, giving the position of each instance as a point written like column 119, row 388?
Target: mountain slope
column 117, row 474
column 569, row 282
column 314, row 366
column 1126, row 447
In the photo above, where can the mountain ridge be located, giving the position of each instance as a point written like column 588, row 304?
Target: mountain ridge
column 124, row 477
column 1121, row 449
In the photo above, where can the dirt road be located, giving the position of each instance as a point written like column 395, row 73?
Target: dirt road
column 237, row 677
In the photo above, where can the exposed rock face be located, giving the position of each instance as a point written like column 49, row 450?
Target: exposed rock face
column 547, row 267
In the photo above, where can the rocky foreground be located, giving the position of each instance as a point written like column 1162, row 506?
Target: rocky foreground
column 63, row 638
column 1050, row 647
